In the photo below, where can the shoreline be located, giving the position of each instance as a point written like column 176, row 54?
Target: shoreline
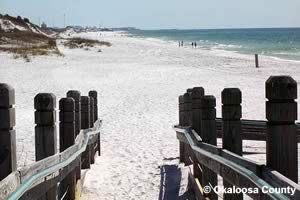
column 212, row 48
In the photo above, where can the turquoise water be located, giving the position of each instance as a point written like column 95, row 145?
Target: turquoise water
column 277, row 42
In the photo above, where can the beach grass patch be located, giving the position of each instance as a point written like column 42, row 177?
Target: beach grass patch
column 83, row 43
column 43, row 49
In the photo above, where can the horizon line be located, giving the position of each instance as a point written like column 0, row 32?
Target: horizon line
column 227, row 28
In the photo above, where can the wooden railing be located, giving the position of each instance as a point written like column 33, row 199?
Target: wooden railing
column 199, row 129
column 53, row 175
column 237, row 170
column 252, row 129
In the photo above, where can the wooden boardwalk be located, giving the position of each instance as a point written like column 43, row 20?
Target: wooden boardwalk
column 259, row 152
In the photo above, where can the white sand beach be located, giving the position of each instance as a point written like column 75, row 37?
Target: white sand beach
column 138, row 83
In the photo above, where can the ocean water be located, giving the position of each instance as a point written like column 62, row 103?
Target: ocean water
column 277, row 42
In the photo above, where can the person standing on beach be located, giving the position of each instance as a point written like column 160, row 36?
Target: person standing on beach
column 182, row 43
column 195, row 45
column 192, row 44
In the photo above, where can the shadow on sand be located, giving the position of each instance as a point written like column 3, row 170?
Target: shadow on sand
column 174, row 184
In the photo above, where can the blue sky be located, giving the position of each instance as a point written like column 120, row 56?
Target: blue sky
column 155, row 14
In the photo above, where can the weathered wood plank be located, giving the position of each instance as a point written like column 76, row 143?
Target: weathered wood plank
column 281, row 113
column 50, row 181
column 277, row 180
column 253, row 130
column 232, row 128
column 248, row 164
column 197, row 94
column 93, row 138
column 181, row 137
column 76, row 95
column 67, row 186
column 69, row 152
column 37, row 167
column 237, row 170
column 45, row 132
column 9, row 184
column 8, row 158
column 85, row 123
column 234, row 174
column 20, row 176
column 198, row 189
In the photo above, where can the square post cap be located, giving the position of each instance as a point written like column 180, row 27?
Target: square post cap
column 45, row 101
column 281, row 88
column 7, row 95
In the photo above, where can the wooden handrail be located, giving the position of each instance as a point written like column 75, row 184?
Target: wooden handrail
column 251, row 129
column 249, row 173
column 26, row 178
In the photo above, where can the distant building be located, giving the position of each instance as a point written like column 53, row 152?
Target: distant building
column 125, row 29
column 44, row 25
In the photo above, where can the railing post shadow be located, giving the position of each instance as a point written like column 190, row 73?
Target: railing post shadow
column 85, row 124
column 8, row 161
column 232, row 128
column 281, row 113
column 209, row 135
column 67, row 139
column 197, row 94
column 77, row 98
column 45, row 132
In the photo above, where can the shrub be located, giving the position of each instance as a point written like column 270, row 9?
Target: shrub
column 52, row 43
column 40, row 49
column 26, row 20
column 82, row 43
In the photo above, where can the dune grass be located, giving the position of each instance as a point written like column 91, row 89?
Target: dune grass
column 27, row 51
column 83, row 43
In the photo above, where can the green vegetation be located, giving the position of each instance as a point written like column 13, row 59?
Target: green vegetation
column 38, row 50
column 82, row 43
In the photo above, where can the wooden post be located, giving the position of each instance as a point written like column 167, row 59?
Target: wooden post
column 181, row 123
column 187, row 121
column 209, row 135
column 188, row 109
column 232, row 128
column 281, row 113
column 256, row 61
column 85, row 124
column 92, row 152
column 85, row 112
column 197, row 94
column 67, row 139
column 77, row 98
column 75, row 94
column 45, row 132
column 94, row 94
column 92, row 113
column 8, row 161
